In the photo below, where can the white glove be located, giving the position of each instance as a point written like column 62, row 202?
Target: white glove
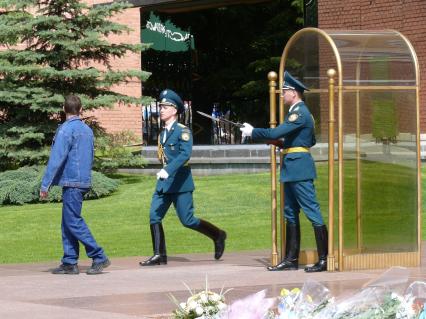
column 162, row 174
column 247, row 129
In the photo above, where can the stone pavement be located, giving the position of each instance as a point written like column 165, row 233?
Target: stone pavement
column 127, row 291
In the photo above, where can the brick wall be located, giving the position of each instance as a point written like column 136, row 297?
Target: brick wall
column 124, row 117
column 405, row 16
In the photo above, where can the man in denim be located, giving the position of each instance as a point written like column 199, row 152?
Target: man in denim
column 70, row 166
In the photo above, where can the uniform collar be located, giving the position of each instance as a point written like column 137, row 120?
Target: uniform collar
column 170, row 125
column 167, row 132
column 293, row 106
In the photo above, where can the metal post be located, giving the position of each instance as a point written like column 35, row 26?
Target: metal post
column 331, row 73
column 272, row 77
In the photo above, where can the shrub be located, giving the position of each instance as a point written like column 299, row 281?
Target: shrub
column 22, row 186
column 114, row 151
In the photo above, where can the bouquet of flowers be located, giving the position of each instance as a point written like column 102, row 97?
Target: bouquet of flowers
column 380, row 299
column 414, row 302
column 302, row 303
column 203, row 305
column 255, row 306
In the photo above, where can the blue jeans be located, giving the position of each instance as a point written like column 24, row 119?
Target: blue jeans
column 75, row 230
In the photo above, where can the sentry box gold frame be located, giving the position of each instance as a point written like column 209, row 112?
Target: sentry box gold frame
column 364, row 95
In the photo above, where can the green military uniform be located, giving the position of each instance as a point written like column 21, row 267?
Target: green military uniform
column 174, row 150
column 298, row 173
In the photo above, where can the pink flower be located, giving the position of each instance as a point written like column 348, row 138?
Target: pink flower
column 254, row 306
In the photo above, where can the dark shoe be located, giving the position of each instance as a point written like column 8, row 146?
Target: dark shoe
column 217, row 235
column 158, row 246
column 292, row 243
column 97, row 268
column 319, row 266
column 292, row 249
column 285, row 265
column 321, row 237
column 219, row 245
column 154, row 260
column 65, row 269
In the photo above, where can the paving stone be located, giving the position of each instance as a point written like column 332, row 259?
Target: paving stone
column 126, row 290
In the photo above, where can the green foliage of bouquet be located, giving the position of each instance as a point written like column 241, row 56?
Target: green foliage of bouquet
column 22, row 186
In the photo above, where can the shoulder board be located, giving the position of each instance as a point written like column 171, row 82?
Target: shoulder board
column 181, row 125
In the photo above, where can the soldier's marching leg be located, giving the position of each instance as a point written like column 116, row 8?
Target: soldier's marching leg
column 158, row 245
column 185, row 210
column 216, row 234
column 159, row 205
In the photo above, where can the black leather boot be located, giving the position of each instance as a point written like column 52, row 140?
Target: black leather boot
column 159, row 247
column 292, row 249
column 321, row 237
column 217, row 235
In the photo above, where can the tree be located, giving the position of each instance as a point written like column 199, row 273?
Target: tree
column 51, row 48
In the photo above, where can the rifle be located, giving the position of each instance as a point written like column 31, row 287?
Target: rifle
column 278, row 143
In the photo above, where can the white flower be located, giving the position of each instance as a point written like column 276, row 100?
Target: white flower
column 215, row 297
column 199, row 310
column 182, row 305
column 204, row 298
column 221, row 305
column 192, row 304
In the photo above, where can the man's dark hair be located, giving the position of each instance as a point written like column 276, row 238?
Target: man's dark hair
column 72, row 105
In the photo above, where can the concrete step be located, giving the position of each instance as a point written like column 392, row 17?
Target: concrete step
column 255, row 158
column 218, row 151
column 223, row 159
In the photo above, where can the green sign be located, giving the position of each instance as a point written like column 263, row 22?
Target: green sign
column 165, row 36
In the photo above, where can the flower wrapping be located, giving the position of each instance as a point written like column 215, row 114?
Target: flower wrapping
column 381, row 298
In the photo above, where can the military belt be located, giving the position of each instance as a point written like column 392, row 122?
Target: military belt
column 296, row 150
column 185, row 164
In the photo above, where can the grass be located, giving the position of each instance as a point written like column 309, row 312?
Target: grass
column 238, row 203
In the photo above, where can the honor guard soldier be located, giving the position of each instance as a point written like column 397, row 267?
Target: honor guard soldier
column 174, row 182
column 297, row 174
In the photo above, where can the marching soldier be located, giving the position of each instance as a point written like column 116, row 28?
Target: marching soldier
column 297, row 173
column 175, row 184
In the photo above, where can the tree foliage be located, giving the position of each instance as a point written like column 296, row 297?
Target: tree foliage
column 52, row 48
column 114, row 151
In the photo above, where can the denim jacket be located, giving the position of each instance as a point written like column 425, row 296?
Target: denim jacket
column 71, row 156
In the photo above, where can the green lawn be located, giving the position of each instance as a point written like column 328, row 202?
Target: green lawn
column 238, row 203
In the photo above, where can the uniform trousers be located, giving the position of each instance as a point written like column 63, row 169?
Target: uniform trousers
column 183, row 203
column 301, row 195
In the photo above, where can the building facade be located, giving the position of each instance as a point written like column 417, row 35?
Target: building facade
column 405, row 16
column 124, row 117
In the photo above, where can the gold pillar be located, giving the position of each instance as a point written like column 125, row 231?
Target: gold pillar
column 340, row 262
column 331, row 73
column 358, row 164
column 272, row 77
column 282, row 201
